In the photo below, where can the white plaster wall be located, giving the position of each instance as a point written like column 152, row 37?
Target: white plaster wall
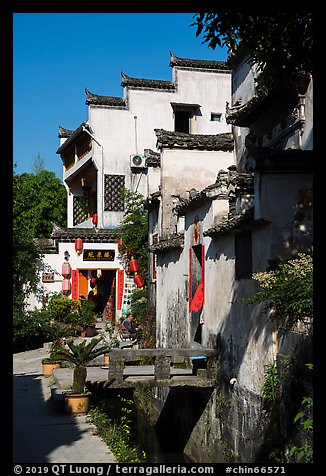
column 211, row 91
column 185, row 169
column 285, row 189
column 243, row 85
column 244, row 331
column 171, row 298
column 153, row 179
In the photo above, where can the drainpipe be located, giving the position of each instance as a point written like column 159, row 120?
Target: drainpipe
column 99, row 180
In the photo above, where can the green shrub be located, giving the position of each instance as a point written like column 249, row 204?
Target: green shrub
column 30, row 329
column 63, row 309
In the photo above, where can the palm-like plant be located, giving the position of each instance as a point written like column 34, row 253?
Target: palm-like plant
column 80, row 355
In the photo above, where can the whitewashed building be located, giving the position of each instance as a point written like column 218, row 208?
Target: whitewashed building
column 115, row 148
column 257, row 211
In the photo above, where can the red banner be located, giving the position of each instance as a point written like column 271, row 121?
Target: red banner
column 120, row 288
column 75, row 284
column 198, row 298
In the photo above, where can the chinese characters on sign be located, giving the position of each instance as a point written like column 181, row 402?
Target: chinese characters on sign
column 75, row 284
column 48, row 277
column 98, row 255
column 121, row 275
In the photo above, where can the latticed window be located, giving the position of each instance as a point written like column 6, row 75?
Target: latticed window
column 80, row 209
column 113, row 186
column 84, row 207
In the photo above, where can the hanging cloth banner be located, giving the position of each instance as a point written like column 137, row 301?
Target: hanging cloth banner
column 121, row 284
column 198, row 298
column 75, row 284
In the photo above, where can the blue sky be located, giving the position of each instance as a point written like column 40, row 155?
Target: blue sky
column 57, row 55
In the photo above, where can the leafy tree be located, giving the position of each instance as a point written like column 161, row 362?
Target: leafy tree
column 133, row 230
column 134, row 235
column 287, row 291
column 39, row 200
column 279, row 43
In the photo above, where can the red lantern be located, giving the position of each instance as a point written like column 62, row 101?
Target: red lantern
column 66, row 286
column 78, row 245
column 95, row 219
column 133, row 265
column 92, row 283
column 66, row 270
column 139, row 281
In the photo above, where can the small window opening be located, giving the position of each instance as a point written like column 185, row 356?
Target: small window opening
column 216, row 116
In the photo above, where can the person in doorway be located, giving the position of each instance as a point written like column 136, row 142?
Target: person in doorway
column 128, row 324
column 107, row 312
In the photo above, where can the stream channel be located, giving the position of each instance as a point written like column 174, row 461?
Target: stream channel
column 158, row 448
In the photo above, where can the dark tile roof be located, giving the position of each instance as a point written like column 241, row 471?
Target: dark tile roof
column 87, row 234
column 113, row 101
column 243, row 115
column 64, row 133
column 153, row 159
column 235, row 222
column 201, row 64
column 146, row 83
column 226, row 185
column 184, row 105
column 47, row 245
column 194, row 141
column 168, row 243
column 73, row 136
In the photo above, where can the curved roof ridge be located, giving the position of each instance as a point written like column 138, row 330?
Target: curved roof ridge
column 146, row 83
column 198, row 63
column 92, row 98
column 223, row 141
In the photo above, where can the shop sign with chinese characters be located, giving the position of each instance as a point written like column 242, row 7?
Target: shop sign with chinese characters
column 98, row 255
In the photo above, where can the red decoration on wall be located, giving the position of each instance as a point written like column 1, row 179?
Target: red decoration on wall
column 120, row 288
column 92, row 282
column 75, row 284
column 198, row 298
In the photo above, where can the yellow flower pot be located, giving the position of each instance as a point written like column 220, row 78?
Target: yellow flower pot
column 77, row 403
column 48, row 368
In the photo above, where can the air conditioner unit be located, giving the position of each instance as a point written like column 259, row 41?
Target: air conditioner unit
column 137, row 161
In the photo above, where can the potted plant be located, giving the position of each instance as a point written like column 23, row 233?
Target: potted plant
column 79, row 355
column 50, row 363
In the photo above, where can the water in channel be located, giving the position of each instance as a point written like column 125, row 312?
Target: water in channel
column 159, row 447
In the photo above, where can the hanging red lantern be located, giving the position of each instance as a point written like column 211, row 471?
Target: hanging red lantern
column 92, row 283
column 138, row 280
column 66, row 286
column 78, row 245
column 66, row 270
column 95, row 219
column 133, row 265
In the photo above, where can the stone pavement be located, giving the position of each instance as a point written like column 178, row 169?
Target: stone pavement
column 42, row 435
